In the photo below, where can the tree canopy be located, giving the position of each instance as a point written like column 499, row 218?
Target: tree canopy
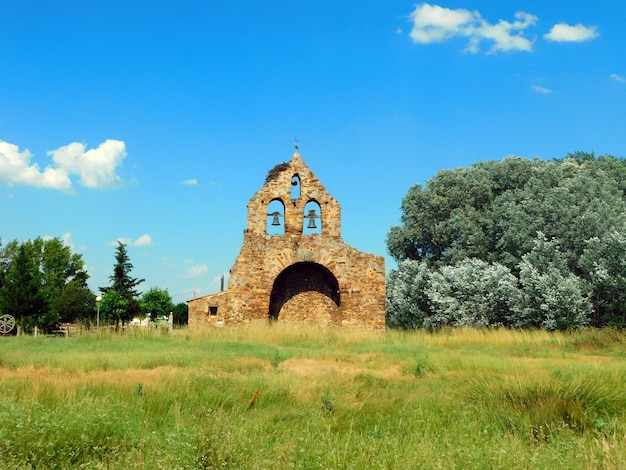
column 558, row 227
column 157, row 303
column 43, row 283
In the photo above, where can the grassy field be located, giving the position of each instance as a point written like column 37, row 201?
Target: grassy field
column 274, row 397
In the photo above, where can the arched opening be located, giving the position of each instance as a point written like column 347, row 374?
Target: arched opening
column 275, row 218
column 300, row 286
column 312, row 218
column 295, row 186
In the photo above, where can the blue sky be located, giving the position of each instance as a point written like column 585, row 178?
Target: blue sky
column 155, row 122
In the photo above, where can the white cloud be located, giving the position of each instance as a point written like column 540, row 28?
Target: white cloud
column 16, row 168
column 508, row 36
column 563, row 32
column 190, row 182
column 95, row 168
column 197, row 270
column 617, row 78
column 541, row 89
column 144, row 240
column 433, row 23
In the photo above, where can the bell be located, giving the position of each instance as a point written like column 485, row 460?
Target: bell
column 275, row 220
column 312, row 216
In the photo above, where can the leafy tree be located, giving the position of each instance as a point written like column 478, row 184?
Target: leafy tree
column 75, row 302
column 51, row 271
column 181, row 313
column 156, row 303
column 7, row 253
column 122, row 305
column 495, row 211
column 22, row 293
column 602, row 264
column 473, row 293
column 64, row 279
column 114, row 308
column 407, row 299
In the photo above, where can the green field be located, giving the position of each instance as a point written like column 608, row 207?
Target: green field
column 274, row 397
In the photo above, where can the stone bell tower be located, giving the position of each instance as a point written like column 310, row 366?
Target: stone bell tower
column 293, row 266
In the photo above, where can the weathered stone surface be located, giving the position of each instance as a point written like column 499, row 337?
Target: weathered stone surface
column 296, row 276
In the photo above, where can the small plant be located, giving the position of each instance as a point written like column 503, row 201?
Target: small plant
column 139, row 389
column 276, row 360
column 420, row 368
column 327, row 402
column 253, row 399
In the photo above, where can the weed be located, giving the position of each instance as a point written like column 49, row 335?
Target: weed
column 327, row 402
column 276, row 359
column 420, row 368
column 253, row 399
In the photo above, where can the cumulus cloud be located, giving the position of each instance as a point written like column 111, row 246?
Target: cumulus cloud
column 196, row 270
column 16, row 168
column 144, row 240
column 541, row 89
column 433, row 23
column 190, row 182
column 95, row 168
column 617, row 78
column 563, row 32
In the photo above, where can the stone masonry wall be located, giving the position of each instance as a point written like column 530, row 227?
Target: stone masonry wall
column 296, row 274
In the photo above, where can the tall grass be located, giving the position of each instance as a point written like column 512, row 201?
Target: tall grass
column 287, row 397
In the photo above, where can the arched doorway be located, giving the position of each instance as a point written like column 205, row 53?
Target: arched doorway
column 305, row 292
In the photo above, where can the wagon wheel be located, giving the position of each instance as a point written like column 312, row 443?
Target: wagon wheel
column 7, row 323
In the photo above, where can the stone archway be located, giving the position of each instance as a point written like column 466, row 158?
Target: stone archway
column 305, row 292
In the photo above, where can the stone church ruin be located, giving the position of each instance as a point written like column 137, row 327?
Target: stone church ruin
column 293, row 266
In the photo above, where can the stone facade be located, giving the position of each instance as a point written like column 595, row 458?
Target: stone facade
column 293, row 266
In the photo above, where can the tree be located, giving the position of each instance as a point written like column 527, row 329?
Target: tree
column 473, row 293
column 22, row 293
column 64, row 279
column 7, row 254
column 407, row 303
column 114, row 308
column 52, row 272
column 75, row 302
column 494, row 211
column 156, row 303
column 181, row 313
column 554, row 297
column 122, row 304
